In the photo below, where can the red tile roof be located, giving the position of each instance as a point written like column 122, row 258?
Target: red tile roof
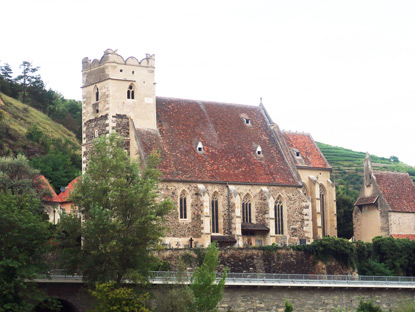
column 403, row 236
column 398, row 190
column 63, row 196
column 311, row 155
column 229, row 143
column 49, row 188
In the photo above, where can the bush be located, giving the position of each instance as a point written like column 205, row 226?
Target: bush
column 368, row 306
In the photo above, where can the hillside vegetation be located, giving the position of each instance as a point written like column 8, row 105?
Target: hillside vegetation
column 19, row 119
column 348, row 167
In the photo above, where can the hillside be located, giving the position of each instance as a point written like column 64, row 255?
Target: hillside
column 19, row 120
column 348, row 167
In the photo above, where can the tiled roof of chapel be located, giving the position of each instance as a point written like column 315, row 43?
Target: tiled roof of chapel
column 64, row 196
column 398, row 190
column 229, row 143
column 311, row 155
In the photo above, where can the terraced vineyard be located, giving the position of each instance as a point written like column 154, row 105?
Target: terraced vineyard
column 348, row 167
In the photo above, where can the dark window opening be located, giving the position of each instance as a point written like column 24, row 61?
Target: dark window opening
column 130, row 93
column 215, row 214
column 279, row 217
column 246, row 209
column 183, row 206
column 97, row 95
column 120, row 70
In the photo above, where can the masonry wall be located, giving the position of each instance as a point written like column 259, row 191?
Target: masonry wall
column 246, row 260
column 197, row 225
column 272, row 299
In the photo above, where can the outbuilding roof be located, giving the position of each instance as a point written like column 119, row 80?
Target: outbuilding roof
column 398, row 190
column 309, row 153
column 234, row 150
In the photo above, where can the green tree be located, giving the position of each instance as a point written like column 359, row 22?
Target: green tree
column 112, row 298
column 288, row 306
column 206, row 291
column 368, row 306
column 57, row 167
column 27, row 77
column 121, row 211
column 24, row 237
column 345, row 206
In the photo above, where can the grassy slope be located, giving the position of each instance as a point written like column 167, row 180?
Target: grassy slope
column 348, row 167
column 18, row 119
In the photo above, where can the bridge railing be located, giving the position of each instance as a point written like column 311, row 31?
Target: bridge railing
column 161, row 277
column 247, row 278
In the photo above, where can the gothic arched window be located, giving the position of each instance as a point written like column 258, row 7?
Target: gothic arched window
column 322, row 210
column 183, row 205
column 130, row 92
column 279, row 216
column 246, row 209
column 215, row 213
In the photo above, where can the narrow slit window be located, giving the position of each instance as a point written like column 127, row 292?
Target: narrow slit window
column 215, row 214
column 96, row 94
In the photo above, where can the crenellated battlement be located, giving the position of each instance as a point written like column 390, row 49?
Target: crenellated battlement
column 111, row 56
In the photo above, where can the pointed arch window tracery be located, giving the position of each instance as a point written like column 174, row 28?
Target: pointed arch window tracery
column 246, row 209
column 183, row 205
column 279, row 216
column 215, row 213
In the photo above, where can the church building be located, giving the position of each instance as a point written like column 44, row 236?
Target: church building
column 235, row 177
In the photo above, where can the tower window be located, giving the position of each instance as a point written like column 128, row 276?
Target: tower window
column 120, row 70
column 130, row 92
column 96, row 91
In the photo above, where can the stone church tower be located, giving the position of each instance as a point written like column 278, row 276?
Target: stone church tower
column 116, row 94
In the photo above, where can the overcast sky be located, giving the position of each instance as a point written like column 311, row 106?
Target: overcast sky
column 343, row 71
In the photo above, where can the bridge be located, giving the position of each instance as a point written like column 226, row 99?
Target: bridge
column 267, row 292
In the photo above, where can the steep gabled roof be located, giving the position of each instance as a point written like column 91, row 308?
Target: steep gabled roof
column 310, row 154
column 46, row 186
column 230, row 143
column 64, row 196
column 397, row 189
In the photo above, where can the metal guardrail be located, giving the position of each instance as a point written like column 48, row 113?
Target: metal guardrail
column 268, row 279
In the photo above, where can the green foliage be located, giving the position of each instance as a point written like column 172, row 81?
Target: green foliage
column 406, row 307
column 333, row 248
column 176, row 297
column 374, row 268
column 57, row 167
column 206, row 292
column 288, row 306
column 122, row 215
column 345, row 206
column 25, row 234
column 112, row 298
column 368, row 306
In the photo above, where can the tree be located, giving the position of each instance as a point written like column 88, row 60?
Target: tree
column 110, row 298
column 206, row 291
column 122, row 215
column 345, row 206
column 24, row 235
column 28, row 77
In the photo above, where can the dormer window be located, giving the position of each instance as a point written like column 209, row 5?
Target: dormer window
column 259, row 150
column 247, row 121
column 130, row 92
column 200, row 148
column 296, row 153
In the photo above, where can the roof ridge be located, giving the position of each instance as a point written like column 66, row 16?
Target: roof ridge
column 207, row 102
